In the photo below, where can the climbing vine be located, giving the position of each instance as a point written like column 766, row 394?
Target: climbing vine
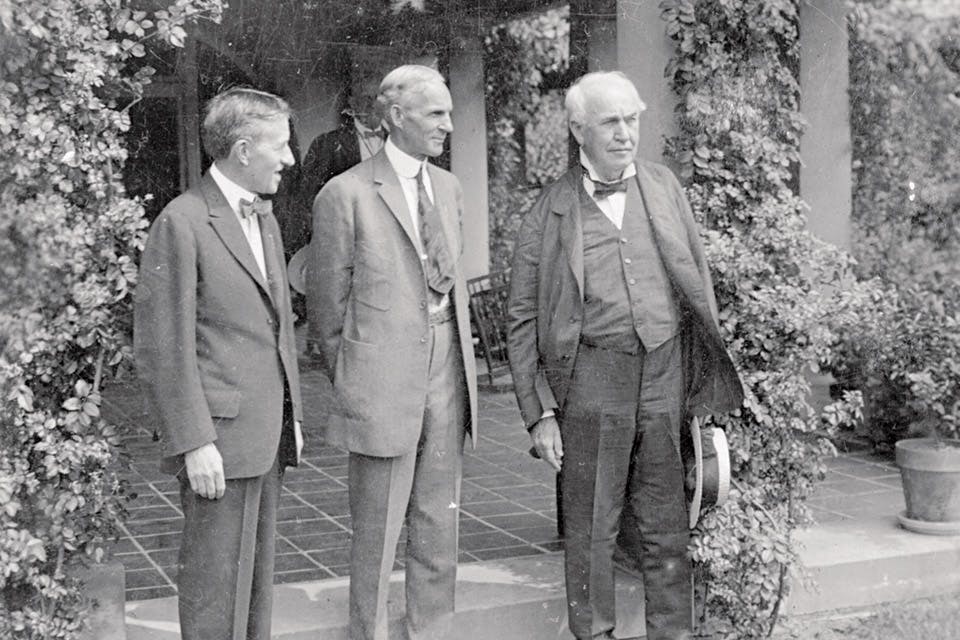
column 734, row 71
column 69, row 237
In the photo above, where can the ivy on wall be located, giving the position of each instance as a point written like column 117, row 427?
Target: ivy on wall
column 69, row 237
column 780, row 309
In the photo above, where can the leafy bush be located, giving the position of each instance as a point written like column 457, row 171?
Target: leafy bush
column 69, row 239
column 521, row 119
column 905, row 359
column 784, row 296
column 905, row 128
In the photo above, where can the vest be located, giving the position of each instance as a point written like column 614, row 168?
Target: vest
column 628, row 298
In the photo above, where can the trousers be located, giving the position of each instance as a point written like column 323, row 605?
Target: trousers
column 620, row 426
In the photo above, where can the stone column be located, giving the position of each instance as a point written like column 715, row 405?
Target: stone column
column 468, row 149
column 643, row 51
column 825, row 177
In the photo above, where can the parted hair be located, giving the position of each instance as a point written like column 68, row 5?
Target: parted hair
column 589, row 84
column 402, row 81
column 237, row 113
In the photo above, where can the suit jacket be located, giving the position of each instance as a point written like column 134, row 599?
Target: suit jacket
column 214, row 348
column 367, row 306
column 330, row 154
column 545, row 306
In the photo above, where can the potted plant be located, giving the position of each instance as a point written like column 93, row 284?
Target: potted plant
column 930, row 465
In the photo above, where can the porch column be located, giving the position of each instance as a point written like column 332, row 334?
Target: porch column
column 468, row 149
column 643, row 51
column 825, row 177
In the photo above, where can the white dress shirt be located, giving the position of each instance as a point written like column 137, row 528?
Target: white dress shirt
column 234, row 193
column 614, row 204
column 407, row 167
column 369, row 145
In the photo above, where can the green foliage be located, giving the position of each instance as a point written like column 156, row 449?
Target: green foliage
column 69, row 237
column 521, row 115
column 779, row 289
column 905, row 358
column 905, row 129
column 905, row 126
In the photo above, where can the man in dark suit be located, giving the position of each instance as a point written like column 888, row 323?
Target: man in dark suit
column 387, row 304
column 214, row 343
column 359, row 136
column 614, row 344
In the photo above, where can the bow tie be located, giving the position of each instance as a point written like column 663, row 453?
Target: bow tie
column 372, row 133
column 603, row 189
column 258, row 207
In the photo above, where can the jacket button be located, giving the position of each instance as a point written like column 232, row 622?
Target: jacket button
column 623, row 240
column 423, row 341
column 573, row 320
column 423, row 304
column 633, row 281
column 627, row 260
column 269, row 321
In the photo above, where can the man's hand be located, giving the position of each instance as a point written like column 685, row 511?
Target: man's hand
column 205, row 471
column 298, row 437
column 547, row 441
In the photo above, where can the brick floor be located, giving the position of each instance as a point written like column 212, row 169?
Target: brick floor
column 508, row 502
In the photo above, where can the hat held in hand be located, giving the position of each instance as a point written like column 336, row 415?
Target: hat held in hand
column 708, row 470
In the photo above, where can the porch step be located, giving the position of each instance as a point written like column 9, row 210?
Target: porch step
column 855, row 564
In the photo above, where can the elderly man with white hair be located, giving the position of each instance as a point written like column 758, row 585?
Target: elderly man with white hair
column 614, row 344
column 388, row 308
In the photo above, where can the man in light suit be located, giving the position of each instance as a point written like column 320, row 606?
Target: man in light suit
column 215, row 349
column 387, row 304
column 614, row 344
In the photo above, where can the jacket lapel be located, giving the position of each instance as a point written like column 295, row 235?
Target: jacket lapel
column 669, row 235
column 567, row 206
column 224, row 222
column 349, row 148
column 388, row 186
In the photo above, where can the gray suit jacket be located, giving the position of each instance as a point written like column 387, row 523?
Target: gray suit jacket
column 545, row 308
column 367, row 306
column 214, row 348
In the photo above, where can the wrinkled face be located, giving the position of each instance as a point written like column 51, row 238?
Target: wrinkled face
column 264, row 155
column 610, row 129
column 421, row 122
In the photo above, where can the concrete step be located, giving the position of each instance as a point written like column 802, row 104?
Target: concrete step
column 872, row 561
column 855, row 564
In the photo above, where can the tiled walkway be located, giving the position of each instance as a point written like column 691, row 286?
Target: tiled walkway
column 508, row 503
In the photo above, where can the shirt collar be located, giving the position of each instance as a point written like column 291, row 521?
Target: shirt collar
column 629, row 172
column 363, row 129
column 233, row 192
column 403, row 163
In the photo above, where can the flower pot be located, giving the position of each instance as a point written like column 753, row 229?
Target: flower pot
column 931, row 485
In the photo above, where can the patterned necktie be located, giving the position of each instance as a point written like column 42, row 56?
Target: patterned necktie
column 259, row 207
column 603, row 189
column 439, row 262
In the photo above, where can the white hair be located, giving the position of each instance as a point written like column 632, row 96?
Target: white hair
column 589, row 84
column 402, row 81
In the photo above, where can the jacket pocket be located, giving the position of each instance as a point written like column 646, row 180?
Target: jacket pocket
column 223, row 403
column 373, row 282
